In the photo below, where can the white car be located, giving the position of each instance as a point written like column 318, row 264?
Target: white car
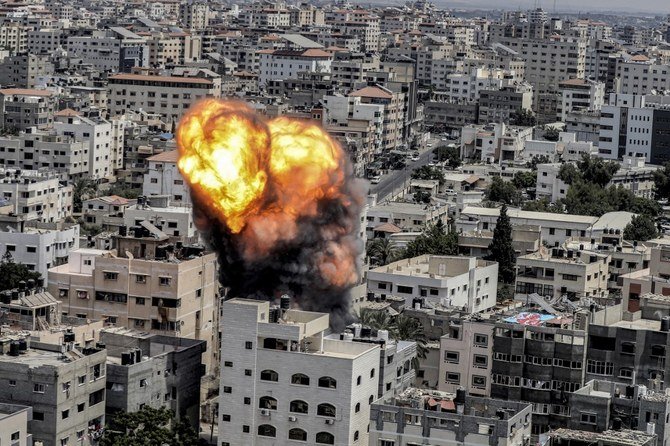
column 375, row 180
column 415, row 158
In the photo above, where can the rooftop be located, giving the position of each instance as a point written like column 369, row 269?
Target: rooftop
column 170, row 156
column 25, row 92
column 168, row 79
column 529, row 215
column 372, row 92
column 611, row 437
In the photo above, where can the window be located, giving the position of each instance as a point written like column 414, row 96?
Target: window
column 267, row 402
column 328, row 382
column 325, row 410
column 165, row 281
column 628, row 347
column 16, row 436
column 371, row 399
column 245, row 429
column 247, row 372
column 588, row 418
column 325, row 438
column 358, row 407
column 11, row 248
column 225, row 417
column 109, row 275
column 269, row 375
column 31, row 249
column 266, row 430
column 39, row 388
column 140, row 278
column 300, row 379
column 451, row 357
column 81, row 407
column 599, row 367
column 143, row 382
column 38, row 416
column 12, row 382
column 298, row 406
column 404, row 289
column 228, row 363
column 297, row 434
column 65, row 414
column 372, row 373
column 552, row 231
column 625, row 373
column 479, row 381
column 479, row 361
column 140, row 301
column 227, row 389
column 247, row 400
column 358, row 380
column 453, row 378
column 481, row 340
column 81, row 380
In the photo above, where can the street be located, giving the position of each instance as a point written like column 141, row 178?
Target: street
column 396, row 178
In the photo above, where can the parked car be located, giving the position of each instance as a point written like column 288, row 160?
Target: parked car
column 376, row 179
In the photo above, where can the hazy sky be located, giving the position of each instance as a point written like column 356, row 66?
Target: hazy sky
column 605, row 6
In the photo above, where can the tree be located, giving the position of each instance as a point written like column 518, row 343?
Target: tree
column 524, row 179
column 501, row 249
column 544, row 205
column 408, row 328
column 422, row 197
column 450, row 154
column 124, row 191
column 569, row 174
column 82, row 189
column 428, row 173
column 435, row 240
column 662, row 182
column 12, row 273
column 537, row 159
column 376, row 319
column 503, row 192
column 641, row 228
column 523, row 117
column 596, row 170
column 551, row 133
column 382, row 251
column 149, row 427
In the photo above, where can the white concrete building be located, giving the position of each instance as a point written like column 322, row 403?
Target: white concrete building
column 626, row 126
column 286, row 64
column 40, row 249
column 105, row 140
column 638, row 75
column 493, row 143
column 283, row 381
column 465, row 87
column 175, row 221
column 464, row 282
column 412, row 217
column 164, row 178
column 579, row 95
column 14, row 424
column 35, row 195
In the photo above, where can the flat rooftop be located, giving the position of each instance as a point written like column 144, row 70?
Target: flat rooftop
column 623, row 437
column 640, row 324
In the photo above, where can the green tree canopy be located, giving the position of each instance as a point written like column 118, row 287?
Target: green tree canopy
column 422, row 197
column 538, row 159
column 428, row 173
column 12, row 273
column 400, row 327
column 501, row 249
column 435, row 239
column 641, row 228
column 544, row 205
column 523, row 117
column 450, row 154
column 149, row 427
column 552, row 134
column 503, row 192
column 524, row 179
column 82, row 189
column 596, row 170
column 662, row 182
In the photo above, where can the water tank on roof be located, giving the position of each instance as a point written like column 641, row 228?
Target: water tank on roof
column 665, row 323
column 126, row 358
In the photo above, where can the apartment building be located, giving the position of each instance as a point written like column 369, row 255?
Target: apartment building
column 36, row 195
column 526, row 239
column 283, row 380
column 651, row 280
column 14, row 37
column 105, row 140
column 498, row 105
column 106, row 212
column 393, row 112
column 45, row 40
column 287, row 64
column 449, row 280
column 116, row 49
column 65, row 390
column 419, row 416
column 466, row 87
column 24, row 70
column 410, row 217
column 39, row 247
column 580, row 94
column 164, row 178
column 466, row 357
column 22, row 108
column 194, row 15
column 558, row 272
column 45, row 149
column 493, row 143
column 166, row 96
column 149, row 370
column 14, row 420
column 639, row 75
column 555, row 228
column 150, row 285
column 541, row 364
column 175, row 221
column 349, row 70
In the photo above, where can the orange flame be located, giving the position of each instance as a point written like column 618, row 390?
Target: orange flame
column 261, row 178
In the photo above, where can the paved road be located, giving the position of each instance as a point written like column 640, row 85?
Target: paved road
column 396, row 178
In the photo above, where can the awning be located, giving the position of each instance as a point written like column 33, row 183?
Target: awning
column 448, row 405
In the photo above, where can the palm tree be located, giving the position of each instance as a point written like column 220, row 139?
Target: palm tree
column 376, row 319
column 408, row 328
column 382, row 251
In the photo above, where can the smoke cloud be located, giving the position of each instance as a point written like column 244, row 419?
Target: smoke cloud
column 294, row 227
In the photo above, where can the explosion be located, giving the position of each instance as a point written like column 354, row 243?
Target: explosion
column 278, row 202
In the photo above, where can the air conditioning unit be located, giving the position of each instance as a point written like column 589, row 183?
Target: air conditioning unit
column 330, row 421
column 292, row 418
column 265, row 412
